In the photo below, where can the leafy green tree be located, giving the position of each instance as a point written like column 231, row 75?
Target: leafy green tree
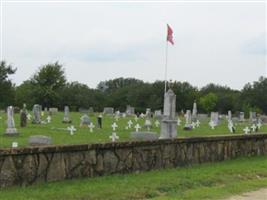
column 7, row 91
column 47, row 82
column 208, row 102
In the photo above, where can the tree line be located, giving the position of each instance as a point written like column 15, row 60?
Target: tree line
column 49, row 88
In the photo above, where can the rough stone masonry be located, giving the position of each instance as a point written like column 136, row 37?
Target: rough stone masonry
column 31, row 165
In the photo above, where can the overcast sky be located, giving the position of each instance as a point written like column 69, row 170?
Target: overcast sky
column 222, row 43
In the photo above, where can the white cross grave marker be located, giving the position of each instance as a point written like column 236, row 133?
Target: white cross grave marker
column 178, row 122
column 259, row 125
column 136, row 118
column 29, row 116
column 137, row 127
column 91, row 126
column 253, row 127
column 72, row 129
column 157, row 123
column 48, row 119
column 198, row 123
column 130, row 123
column 114, row 126
column 246, row 130
column 117, row 117
column 114, row 137
column 14, row 144
column 212, row 125
column 194, row 124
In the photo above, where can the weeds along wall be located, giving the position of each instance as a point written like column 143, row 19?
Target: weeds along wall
column 31, row 165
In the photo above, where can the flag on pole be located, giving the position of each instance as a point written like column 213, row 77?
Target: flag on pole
column 169, row 34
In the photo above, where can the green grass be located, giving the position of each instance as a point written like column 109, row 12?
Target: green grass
column 206, row 181
column 82, row 135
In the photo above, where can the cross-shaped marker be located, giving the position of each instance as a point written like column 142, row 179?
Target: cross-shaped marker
column 259, row 125
column 114, row 126
column 130, row 123
column 157, row 123
column 48, row 119
column 29, row 116
column 14, row 144
column 212, row 125
column 72, row 129
column 246, row 130
column 114, row 137
column 230, row 126
column 194, row 125
column 91, row 126
column 253, row 127
column 117, row 117
column 136, row 118
column 178, row 122
column 198, row 123
column 137, row 127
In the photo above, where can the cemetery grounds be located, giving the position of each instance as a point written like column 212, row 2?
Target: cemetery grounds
column 206, row 181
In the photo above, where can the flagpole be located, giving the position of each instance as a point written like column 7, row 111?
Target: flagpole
column 166, row 63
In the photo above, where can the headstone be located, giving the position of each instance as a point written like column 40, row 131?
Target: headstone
column 108, row 110
column 53, row 110
column 158, row 114
column 144, row 136
column 252, row 117
column 212, row 124
column 229, row 117
column 188, row 120
column 130, row 123
column 83, row 110
column 23, row 116
column 241, row 116
column 169, row 123
column 194, row 112
column 66, row 118
column 99, row 121
column 214, row 116
column 148, row 112
column 36, row 114
column 130, row 110
column 157, row 123
column 11, row 130
column 85, row 120
column 37, row 140
column 148, row 124
column 91, row 110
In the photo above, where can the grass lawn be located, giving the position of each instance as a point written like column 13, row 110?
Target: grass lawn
column 82, row 135
column 206, row 181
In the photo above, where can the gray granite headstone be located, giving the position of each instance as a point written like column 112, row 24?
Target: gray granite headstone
column 85, row 120
column 130, row 110
column 37, row 140
column 214, row 116
column 108, row 110
column 144, row 136
column 241, row 116
column 36, row 114
column 169, row 122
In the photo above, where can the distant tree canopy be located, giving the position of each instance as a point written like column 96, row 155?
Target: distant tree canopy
column 7, row 89
column 49, row 87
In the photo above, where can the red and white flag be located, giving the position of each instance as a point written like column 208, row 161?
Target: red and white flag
column 169, row 34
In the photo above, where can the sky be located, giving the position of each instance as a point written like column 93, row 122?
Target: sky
column 222, row 43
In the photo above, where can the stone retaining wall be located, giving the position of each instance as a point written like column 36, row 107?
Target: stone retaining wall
column 26, row 166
